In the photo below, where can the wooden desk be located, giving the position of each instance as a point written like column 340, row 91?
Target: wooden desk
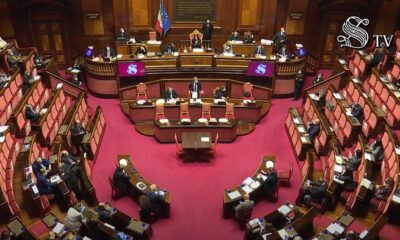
column 130, row 48
column 196, row 59
column 136, row 178
column 248, row 49
column 227, row 132
column 193, row 140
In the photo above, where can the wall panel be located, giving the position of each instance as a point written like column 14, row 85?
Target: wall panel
column 6, row 25
column 92, row 26
column 296, row 26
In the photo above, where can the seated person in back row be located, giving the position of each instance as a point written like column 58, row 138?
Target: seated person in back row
column 31, row 114
column 67, row 159
column 315, row 191
column 357, row 112
column 122, row 35
column 313, row 129
column 234, row 37
column 259, row 50
column 108, row 52
column 169, row 48
column 13, row 57
column 376, row 149
column 283, row 52
column 170, row 94
column 248, row 37
column 28, row 81
column 243, row 210
column 220, row 93
column 269, row 185
column 44, row 185
column 141, row 50
column 383, row 191
column 121, row 178
column 40, row 163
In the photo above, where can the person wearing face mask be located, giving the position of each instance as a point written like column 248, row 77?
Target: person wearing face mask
column 280, row 39
column 122, row 35
column 108, row 52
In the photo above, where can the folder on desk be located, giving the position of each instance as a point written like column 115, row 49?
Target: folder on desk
column 338, row 168
column 58, row 229
column 247, row 189
column 234, row 194
column 337, row 95
column 284, row 209
column 248, row 181
column 205, row 139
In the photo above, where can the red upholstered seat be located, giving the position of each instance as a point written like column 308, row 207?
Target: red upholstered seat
column 248, row 88
column 178, row 147
column 285, row 175
column 141, row 91
column 184, row 110
column 206, row 110
column 230, row 111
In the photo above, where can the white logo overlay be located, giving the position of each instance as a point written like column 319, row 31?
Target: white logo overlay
column 261, row 69
column 353, row 30
column 132, row 69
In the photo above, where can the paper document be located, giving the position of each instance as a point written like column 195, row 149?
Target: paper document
column 283, row 234
column 247, row 189
column 335, row 229
column 342, row 61
column 234, row 194
column 369, row 156
column 302, row 129
column 2, row 138
column 363, row 234
column 3, row 128
column 296, row 120
column 339, row 160
column 396, row 199
column 397, row 150
column 337, row 95
column 338, row 168
column 314, row 96
column 284, row 209
column 303, row 139
column 58, row 229
column 336, row 179
column 248, row 181
column 366, row 183
column 205, row 139
column 355, row 79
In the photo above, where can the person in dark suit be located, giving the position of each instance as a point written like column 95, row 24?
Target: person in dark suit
column 269, row 185
column 40, row 163
column 169, row 48
column 38, row 60
column 280, row 39
column 220, row 93
column 28, row 80
column 170, row 94
column 377, row 57
column 141, row 50
column 77, row 133
column 382, row 191
column 235, row 36
column 121, row 178
column 298, row 84
column 283, row 52
column 196, row 41
column 321, row 98
column 357, row 112
column 122, row 35
column 376, row 150
column 104, row 213
column 31, row 114
column 195, row 87
column 71, row 175
column 44, row 185
column 108, row 52
column 318, row 79
column 316, row 191
column 243, row 210
column 259, row 50
column 67, row 158
column 207, row 30
column 248, row 37
column 145, row 209
column 313, row 129
column 157, row 203
column 354, row 162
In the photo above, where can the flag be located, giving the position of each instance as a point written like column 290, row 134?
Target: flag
column 163, row 23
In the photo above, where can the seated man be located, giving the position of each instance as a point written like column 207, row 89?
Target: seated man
column 269, row 185
column 77, row 133
column 234, row 37
column 13, row 57
column 31, row 114
column 377, row 57
column 248, row 37
column 28, row 81
column 67, row 158
column 382, row 191
column 259, row 51
column 283, row 52
column 89, row 52
column 195, row 88
column 170, row 94
column 44, row 185
column 108, row 53
column 318, row 79
column 220, row 93
column 243, row 210
column 40, row 163
column 315, row 191
column 71, row 175
column 196, row 41
column 357, row 112
column 122, row 36
column 169, row 48
column 157, row 203
column 376, row 149
column 313, row 129
column 141, row 50
column 321, row 98
column 347, row 178
column 104, row 212
column 354, row 162
column 38, row 60
column 121, row 178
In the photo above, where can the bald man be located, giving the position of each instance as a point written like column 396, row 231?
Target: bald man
column 157, row 203
column 77, row 133
column 243, row 210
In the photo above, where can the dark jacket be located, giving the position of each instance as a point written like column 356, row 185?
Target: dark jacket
column 72, row 177
column 259, row 50
column 358, row 112
column 317, row 192
column 347, row 178
column 169, row 48
column 68, row 159
column 269, row 185
column 170, row 95
column 196, row 43
column 157, row 203
column 234, row 38
column 122, row 36
column 141, row 50
column 313, row 131
column 32, row 115
column 112, row 53
column 192, row 87
column 280, row 38
column 77, row 133
column 353, row 163
column 44, row 185
column 37, row 166
column 121, row 180
column 219, row 94
column 207, row 29
column 298, row 80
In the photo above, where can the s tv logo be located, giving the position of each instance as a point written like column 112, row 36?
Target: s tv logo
column 357, row 37
column 261, row 69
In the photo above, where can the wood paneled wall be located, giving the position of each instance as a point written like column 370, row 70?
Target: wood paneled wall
column 138, row 17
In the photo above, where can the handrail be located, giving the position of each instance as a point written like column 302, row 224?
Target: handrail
column 66, row 82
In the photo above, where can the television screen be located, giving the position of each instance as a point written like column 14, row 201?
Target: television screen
column 301, row 52
column 261, row 69
column 131, row 69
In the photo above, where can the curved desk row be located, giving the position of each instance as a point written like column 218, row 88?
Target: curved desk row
column 244, row 112
column 103, row 79
column 165, row 133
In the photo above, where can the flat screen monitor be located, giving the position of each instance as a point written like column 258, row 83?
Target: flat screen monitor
column 131, row 69
column 261, row 69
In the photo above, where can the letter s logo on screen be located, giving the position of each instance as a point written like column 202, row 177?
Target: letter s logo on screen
column 132, row 69
column 261, row 69
column 356, row 34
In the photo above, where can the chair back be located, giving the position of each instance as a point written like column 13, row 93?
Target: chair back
column 184, row 110
column 230, row 111
column 141, row 91
column 195, row 32
column 160, row 111
column 248, row 88
column 206, row 110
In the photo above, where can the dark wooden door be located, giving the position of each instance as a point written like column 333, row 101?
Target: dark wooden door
column 50, row 36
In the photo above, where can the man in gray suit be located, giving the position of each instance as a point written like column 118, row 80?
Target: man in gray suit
column 243, row 210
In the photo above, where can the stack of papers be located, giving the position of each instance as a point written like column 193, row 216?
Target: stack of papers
column 247, row 189
column 205, row 139
column 296, row 120
column 284, row 209
column 337, row 95
column 338, row 168
column 248, row 181
column 396, row 199
column 335, row 229
column 314, row 96
column 366, row 183
column 234, row 194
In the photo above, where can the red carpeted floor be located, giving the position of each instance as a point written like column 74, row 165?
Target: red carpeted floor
column 196, row 188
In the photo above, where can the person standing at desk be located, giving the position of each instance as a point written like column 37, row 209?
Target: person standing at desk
column 207, row 29
column 77, row 133
column 280, row 39
column 243, row 210
column 157, row 204
column 259, row 51
column 108, row 53
column 121, row 178
column 283, row 52
column 122, row 36
column 170, row 94
column 195, row 88
column 234, row 37
column 298, row 84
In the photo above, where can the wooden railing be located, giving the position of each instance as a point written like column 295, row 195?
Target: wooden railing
column 312, row 62
column 186, row 44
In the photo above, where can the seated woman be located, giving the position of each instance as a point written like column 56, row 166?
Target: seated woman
column 141, row 50
column 196, row 42
column 228, row 47
column 382, row 191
